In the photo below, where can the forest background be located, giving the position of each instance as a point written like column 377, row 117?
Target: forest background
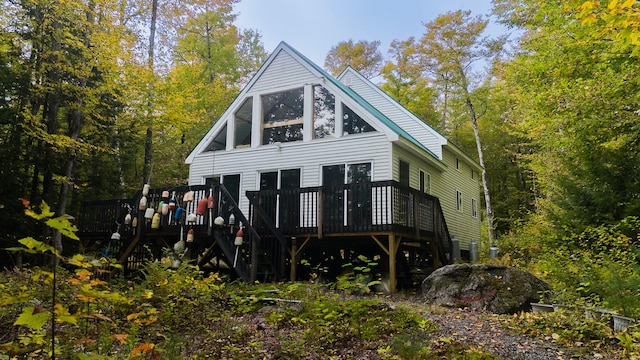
column 99, row 97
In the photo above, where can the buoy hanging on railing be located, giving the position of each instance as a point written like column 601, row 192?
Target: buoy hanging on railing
column 190, row 235
column 178, row 214
column 142, row 205
column 191, row 218
column 145, row 189
column 172, row 206
column 219, row 221
column 237, row 242
column 232, row 222
column 188, row 197
column 202, row 207
column 155, row 221
column 165, row 209
column 127, row 219
column 165, row 195
column 239, row 238
column 210, row 204
column 115, row 236
column 148, row 214
column 134, row 222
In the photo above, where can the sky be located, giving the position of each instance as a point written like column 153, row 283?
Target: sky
column 314, row 26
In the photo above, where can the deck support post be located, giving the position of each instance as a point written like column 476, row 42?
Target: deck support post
column 393, row 249
column 294, row 259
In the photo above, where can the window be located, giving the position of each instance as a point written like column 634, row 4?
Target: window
column 458, row 200
column 324, row 112
column 425, row 182
column 404, row 173
column 231, row 182
column 473, row 175
column 282, row 116
column 220, row 141
column 353, row 123
column 285, row 207
column 474, row 208
column 457, row 164
column 242, row 119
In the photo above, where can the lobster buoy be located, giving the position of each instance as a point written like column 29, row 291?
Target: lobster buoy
column 202, row 207
column 178, row 214
column 179, row 246
column 127, row 219
column 165, row 209
column 155, row 221
column 210, row 201
column 239, row 238
column 172, row 204
column 148, row 214
column 134, row 222
column 188, row 197
column 142, row 205
column 145, row 189
column 191, row 218
column 219, row 221
column 115, row 236
column 165, row 195
column 190, row 235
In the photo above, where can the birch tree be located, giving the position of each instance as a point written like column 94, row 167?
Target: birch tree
column 451, row 46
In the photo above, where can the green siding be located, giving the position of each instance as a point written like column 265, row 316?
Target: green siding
column 444, row 184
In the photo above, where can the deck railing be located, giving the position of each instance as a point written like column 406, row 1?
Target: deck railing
column 385, row 206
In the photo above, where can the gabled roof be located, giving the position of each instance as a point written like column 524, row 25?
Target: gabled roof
column 321, row 73
column 443, row 140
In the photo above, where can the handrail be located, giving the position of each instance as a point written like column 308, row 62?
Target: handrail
column 277, row 251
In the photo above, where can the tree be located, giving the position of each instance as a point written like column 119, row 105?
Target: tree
column 576, row 100
column 363, row 56
column 450, row 47
column 404, row 80
column 620, row 19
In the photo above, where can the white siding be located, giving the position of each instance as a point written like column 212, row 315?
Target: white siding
column 307, row 156
column 394, row 111
column 283, row 72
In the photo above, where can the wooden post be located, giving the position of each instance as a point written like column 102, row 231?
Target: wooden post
column 319, row 212
column 393, row 249
column 294, row 259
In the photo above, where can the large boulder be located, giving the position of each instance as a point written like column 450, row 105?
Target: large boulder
column 495, row 288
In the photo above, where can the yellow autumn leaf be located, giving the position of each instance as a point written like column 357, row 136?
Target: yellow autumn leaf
column 162, row 282
column 142, row 348
column 122, row 338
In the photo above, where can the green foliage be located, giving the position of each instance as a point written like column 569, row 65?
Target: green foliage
column 358, row 276
column 567, row 328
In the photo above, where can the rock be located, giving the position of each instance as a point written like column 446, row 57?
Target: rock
column 495, row 288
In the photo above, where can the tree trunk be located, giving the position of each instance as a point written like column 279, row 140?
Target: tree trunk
column 148, row 144
column 485, row 186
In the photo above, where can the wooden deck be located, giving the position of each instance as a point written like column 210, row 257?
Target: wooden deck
column 404, row 227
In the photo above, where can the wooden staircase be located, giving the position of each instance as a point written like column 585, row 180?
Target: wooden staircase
column 259, row 256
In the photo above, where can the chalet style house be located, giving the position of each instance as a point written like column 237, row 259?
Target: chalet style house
column 315, row 168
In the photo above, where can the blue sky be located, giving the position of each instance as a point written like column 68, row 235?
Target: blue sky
column 314, row 26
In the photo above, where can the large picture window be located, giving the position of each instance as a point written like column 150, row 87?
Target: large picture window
column 324, row 112
column 282, row 116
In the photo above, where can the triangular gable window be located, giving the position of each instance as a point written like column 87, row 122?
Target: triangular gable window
column 353, row 123
column 220, row 141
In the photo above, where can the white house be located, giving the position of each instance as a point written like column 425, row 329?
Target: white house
column 363, row 167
